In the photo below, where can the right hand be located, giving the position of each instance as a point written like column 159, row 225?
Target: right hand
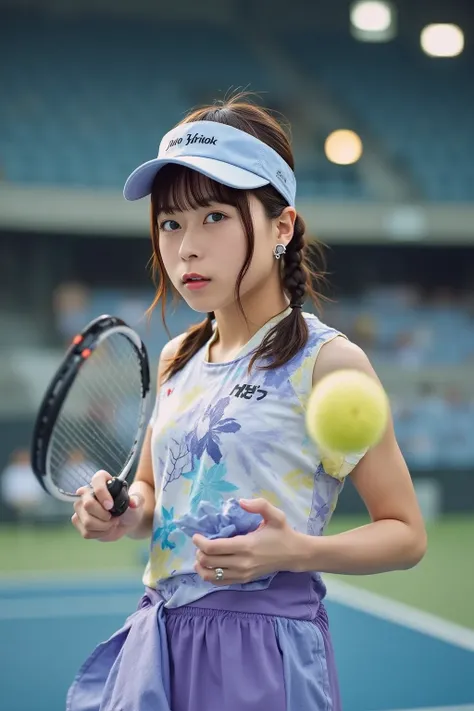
column 92, row 518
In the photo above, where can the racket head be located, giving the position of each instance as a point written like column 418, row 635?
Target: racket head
column 106, row 368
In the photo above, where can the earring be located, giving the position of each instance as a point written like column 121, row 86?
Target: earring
column 278, row 250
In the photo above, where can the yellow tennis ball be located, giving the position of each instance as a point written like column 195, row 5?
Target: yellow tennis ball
column 347, row 412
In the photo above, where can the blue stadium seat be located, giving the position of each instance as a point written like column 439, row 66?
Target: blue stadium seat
column 416, row 106
column 85, row 113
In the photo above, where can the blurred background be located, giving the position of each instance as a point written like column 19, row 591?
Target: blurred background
column 380, row 99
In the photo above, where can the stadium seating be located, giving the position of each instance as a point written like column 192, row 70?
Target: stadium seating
column 427, row 133
column 83, row 113
column 83, row 102
column 433, row 431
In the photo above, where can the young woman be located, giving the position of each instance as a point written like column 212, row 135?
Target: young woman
column 233, row 493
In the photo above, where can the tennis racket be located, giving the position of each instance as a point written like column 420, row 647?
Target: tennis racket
column 93, row 413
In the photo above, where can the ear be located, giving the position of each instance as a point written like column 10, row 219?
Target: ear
column 285, row 225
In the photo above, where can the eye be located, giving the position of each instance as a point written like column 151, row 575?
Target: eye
column 169, row 226
column 214, row 217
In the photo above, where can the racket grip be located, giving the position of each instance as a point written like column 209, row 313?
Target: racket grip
column 118, row 490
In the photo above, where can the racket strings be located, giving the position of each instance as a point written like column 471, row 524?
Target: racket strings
column 98, row 423
column 72, row 432
column 72, row 473
column 92, row 396
column 87, row 426
column 91, row 441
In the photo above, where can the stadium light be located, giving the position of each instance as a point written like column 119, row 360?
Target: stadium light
column 343, row 147
column 373, row 20
column 442, row 40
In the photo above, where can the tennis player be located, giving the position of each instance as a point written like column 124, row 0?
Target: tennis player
column 233, row 494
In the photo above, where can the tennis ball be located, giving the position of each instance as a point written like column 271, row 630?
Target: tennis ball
column 347, row 412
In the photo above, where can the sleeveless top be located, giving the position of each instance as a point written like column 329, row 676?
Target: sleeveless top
column 220, row 433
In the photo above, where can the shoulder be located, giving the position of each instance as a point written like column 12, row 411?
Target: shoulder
column 320, row 336
column 301, row 367
column 168, row 352
column 170, row 349
column 319, row 330
column 340, row 353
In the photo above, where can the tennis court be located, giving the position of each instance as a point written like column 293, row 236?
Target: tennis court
column 392, row 656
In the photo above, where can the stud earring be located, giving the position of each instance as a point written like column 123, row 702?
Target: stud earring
column 278, row 250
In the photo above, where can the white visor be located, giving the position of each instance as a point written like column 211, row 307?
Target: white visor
column 222, row 153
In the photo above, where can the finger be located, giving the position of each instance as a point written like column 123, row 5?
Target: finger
column 223, row 561
column 83, row 490
column 101, row 492
column 230, row 576
column 111, row 536
column 95, row 525
column 94, row 508
column 221, row 546
column 90, row 533
column 269, row 513
column 136, row 500
column 81, row 528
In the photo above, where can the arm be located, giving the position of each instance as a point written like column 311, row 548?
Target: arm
column 143, row 486
column 396, row 537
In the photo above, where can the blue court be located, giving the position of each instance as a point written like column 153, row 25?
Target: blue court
column 390, row 657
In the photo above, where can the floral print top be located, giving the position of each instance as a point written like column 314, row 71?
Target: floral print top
column 220, row 434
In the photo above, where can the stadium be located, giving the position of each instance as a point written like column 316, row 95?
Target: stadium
column 378, row 97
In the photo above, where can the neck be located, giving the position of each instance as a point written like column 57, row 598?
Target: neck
column 233, row 331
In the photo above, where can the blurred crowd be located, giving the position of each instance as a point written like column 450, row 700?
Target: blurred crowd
column 408, row 326
column 434, row 428
column 398, row 326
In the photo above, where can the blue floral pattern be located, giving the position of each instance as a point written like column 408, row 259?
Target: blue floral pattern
column 325, row 492
column 259, row 445
column 162, row 533
column 210, row 440
column 211, row 486
column 222, row 433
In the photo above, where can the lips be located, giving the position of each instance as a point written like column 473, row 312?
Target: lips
column 193, row 277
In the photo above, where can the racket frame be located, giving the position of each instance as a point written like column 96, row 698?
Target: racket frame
column 55, row 396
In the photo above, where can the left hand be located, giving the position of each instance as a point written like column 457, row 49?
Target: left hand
column 273, row 547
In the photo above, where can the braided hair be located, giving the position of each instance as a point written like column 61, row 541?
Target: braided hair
column 290, row 334
column 294, row 275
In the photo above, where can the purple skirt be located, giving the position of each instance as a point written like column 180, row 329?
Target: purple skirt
column 229, row 651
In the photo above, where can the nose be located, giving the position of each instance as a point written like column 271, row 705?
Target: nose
column 189, row 247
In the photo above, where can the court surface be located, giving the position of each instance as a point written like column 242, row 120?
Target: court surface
column 391, row 657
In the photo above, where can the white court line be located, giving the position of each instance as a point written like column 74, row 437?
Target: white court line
column 401, row 614
column 469, row 707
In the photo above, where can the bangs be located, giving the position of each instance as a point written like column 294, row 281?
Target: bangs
column 177, row 188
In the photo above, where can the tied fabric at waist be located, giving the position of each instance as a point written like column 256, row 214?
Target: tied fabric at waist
column 131, row 670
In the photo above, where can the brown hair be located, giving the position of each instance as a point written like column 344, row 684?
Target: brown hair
column 179, row 188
